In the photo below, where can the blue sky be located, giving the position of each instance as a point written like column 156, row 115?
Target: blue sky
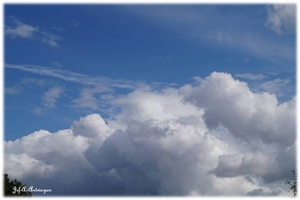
column 151, row 43
column 79, row 76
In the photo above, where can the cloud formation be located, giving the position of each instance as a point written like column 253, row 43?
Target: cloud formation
column 281, row 18
column 250, row 76
column 13, row 90
column 51, row 95
column 274, row 86
column 33, row 82
column 210, row 27
column 50, row 39
column 231, row 103
column 77, row 77
column 213, row 138
column 87, row 97
column 261, row 192
column 20, row 29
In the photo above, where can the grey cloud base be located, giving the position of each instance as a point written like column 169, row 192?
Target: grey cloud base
column 215, row 138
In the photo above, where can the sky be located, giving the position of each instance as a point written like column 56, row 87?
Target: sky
column 176, row 100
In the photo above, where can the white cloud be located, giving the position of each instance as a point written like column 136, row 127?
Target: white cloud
column 22, row 164
column 43, row 142
column 50, row 39
column 13, row 90
column 75, row 23
column 20, row 29
column 274, row 86
column 281, row 18
column 37, row 111
column 246, row 114
column 142, row 104
column 87, row 98
column 51, row 95
column 92, row 127
column 33, row 82
column 27, row 31
column 57, row 28
column 251, row 76
column 77, row 77
column 214, row 138
column 56, row 64
column 213, row 28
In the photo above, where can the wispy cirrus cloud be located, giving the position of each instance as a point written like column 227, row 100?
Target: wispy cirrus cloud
column 13, row 90
column 281, row 18
column 22, row 30
column 49, row 100
column 58, row 28
column 33, row 82
column 75, row 23
column 275, row 86
column 77, row 77
column 50, row 39
column 251, row 76
column 19, row 29
column 210, row 27
column 37, row 111
column 282, row 87
column 87, row 97
column 56, row 64
column 50, row 96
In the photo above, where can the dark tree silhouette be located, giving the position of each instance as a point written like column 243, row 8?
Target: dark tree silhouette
column 14, row 188
column 293, row 183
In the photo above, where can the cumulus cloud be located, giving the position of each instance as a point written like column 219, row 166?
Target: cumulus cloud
column 93, row 127
column 247, row 115
column 281, row 18
column 50, row 96
column 213, row 138
column 237, row 164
